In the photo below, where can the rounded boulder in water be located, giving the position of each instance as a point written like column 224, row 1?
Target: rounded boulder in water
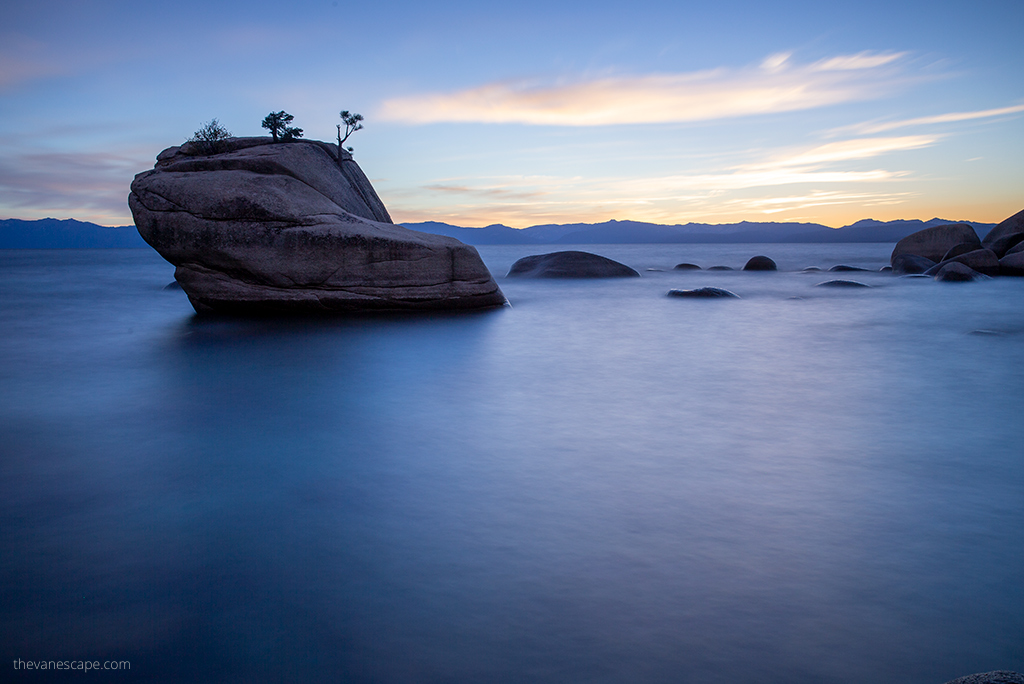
column 760, row 263
column 956, row 272
column 841, row 283
column 911, row 264
column 569, row 264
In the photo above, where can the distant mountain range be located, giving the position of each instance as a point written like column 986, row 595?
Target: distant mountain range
column 71, row 234
column 619, row 232
column 65, row 234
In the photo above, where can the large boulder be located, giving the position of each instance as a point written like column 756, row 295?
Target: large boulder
column 933, row 243
column 264, row 227
column 1005, row 235
column 981, row 260
column 569, row 265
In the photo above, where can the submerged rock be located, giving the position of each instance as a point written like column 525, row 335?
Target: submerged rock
column 844, row 267
column 933, row 243
column 703, row 293
column 687, row 267
column 264, row 227
column 721, row 268
column 569, row 264
column 841, row 283
column 956, row 272
column 1006, row 235
column 760, row 263
column 909, row 264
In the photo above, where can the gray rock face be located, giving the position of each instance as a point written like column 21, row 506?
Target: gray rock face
column 994, row 677
column 956, row 272
column 264, row 227
column 910, row 264
column 933, row 243
column 703, row 293
column 1005, row 235
column 1012, row 264
column 981, row 260
column 569, row 264
column 760, row 263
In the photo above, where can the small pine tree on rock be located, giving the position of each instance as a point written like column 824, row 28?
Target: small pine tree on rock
column 277, row 124
column 352, row 125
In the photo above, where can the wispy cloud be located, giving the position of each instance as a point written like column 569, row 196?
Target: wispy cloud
column 87, row 186
column 952, row 117
column 485, row 191
column 776, row 85
column 823, row 171
column 847, row 150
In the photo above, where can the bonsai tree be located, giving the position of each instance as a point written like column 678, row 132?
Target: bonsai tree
column 277, row 124
column 210, row 138
column 352, row 125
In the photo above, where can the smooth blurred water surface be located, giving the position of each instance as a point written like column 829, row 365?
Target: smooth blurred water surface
column 597, row 484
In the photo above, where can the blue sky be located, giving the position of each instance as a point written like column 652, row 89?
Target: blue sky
column 538, row 112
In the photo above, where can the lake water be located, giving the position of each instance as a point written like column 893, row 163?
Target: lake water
column 598, row 483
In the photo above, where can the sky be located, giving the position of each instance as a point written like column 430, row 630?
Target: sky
column 538, row 112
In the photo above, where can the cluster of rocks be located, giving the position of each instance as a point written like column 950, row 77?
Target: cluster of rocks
column 955, row 253
column 264, row 227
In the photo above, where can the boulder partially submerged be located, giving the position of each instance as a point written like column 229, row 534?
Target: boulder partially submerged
column 760, row 263
column 910, row 264
column 981, row 260
column 957, row 272
column 264, row 227
column 569, row 264
column 704, row 293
